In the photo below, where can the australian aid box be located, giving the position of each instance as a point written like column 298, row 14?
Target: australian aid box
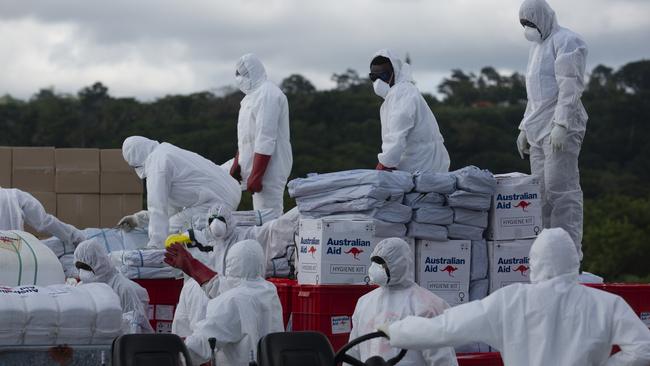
column 509, row 262
column 516, row 211
column 334, row 251
column 444, row 268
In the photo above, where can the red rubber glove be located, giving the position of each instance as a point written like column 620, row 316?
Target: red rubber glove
column 178, row 257
column 235, row 169
column 381, row 166
column 260, row 163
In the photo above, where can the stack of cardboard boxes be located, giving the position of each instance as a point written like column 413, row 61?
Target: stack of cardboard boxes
column 82, row 187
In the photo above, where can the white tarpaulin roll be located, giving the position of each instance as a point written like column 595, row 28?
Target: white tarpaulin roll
column 24, row 260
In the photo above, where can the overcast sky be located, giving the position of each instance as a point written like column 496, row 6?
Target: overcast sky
column 150, row 48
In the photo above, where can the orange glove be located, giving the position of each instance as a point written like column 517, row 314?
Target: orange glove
column 260, row 163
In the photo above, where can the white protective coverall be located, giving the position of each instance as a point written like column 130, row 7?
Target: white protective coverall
column 18, row 207
column 411, row 138
column 400, row 298
column 180, row 185
column 263, row 128
column 133, row 297
column 554, row 84
column 193, row 299
column 553, row 321
column 246, row 309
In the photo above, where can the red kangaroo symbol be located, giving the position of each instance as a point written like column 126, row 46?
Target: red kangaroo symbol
column 523, row 205
column 311, row 251
column 355, row 252
column 450, row 270
column 522, row 269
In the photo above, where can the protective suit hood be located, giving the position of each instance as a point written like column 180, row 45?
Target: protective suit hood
column 402, row 70
column 251, row 68
column 399, row 260
column 136, row 150
column 540, row 13
column 94, row 254
column 226, row 213
column 245, row 261
column 552, row 255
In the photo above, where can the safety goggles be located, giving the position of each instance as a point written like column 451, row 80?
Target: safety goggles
column 216, row 217
column 84, row 266
column 527, row 23
column 385, row 76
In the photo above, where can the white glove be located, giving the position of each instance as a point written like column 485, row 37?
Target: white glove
column 522, row 144
column 77, row 237
column 128, row 223
column 558, row 137
column 385, row 328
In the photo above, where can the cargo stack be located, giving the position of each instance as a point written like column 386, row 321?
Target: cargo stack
column 87, row 188
column 430, row 214
column 515, row 221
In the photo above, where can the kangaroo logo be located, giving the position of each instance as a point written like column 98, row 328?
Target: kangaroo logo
column 523, row 205
column 522, row 269
column 312, row 251
column 355, row 252
column 450, row 270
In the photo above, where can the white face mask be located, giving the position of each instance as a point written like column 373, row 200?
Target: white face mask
column 532, row 34
column 140, row 172
column 87, row 276
column 243, row 83
column 217, row 229
column 377, row 274
column 381, row 88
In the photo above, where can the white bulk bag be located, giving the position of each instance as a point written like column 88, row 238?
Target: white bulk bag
column 24, row 260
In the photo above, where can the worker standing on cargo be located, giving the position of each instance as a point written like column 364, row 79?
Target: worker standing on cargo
column 397, row 297
column 181, row 185
column 555, row 120
column 410, row 136
column 94, row 265
column 18, row 207
column 243, row 308
column 264, row 158
column 552, row 321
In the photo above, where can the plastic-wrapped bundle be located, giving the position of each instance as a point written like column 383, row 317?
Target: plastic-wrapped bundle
column 417, row 200
column 473, row 179
column 437, row 215
column 479, row 264
column 465, row 232
column 318, row 183
column 358, row 205
column 392, row 212
column 470, row 200
column 435, row 182
column 471, row 217
column 113, row 240
column 150, row 272
column 426, row 231
column 139, row 258
column 345, row 194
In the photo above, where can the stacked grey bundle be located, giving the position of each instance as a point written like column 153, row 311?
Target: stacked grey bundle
column 362, row 193
column 430, row 214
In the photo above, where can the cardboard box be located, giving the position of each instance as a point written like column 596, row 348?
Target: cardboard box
column 5, row 166
column 115, row 206
column 509, row 262
column 33, row 169
column 444, row 268
column 80, row 210
column 516, row 211
column 116, row 175
column 48, row 200
column 77, row 170
column 334, row 251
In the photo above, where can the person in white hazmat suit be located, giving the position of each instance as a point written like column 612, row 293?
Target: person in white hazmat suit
column 94, row 265
column 181, row 185
column 243, row 308
column 18, row 207
column 397, row 297
column 221, row 234
column 411, row 138
column 264, row 158
column 555, row 120
column 552, row 321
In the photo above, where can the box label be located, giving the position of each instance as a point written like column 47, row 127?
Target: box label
column 163, row 327
column 164, row 312
column 341, row 324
